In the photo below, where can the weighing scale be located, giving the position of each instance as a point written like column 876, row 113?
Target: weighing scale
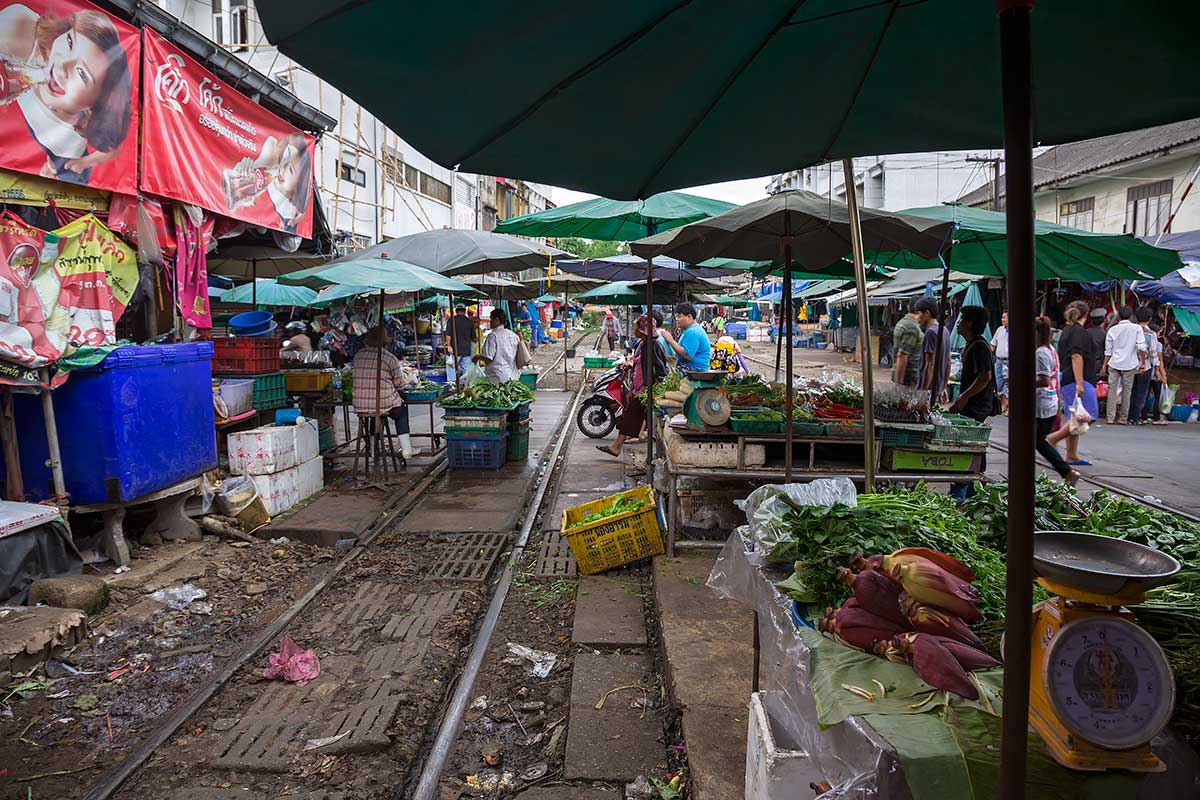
column 707, row 405
column 1100, row 687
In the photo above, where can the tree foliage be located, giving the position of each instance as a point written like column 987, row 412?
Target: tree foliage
column 591, row 248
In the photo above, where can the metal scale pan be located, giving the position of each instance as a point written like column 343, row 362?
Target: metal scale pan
column 1100, row 565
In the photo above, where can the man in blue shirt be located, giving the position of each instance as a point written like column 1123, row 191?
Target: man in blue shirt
column 692, row 347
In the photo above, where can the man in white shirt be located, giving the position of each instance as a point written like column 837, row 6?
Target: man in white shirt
column 1125, row 354
column 1000, row 351
column 499, row 356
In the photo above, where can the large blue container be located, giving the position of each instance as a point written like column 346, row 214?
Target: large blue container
column 138, row 422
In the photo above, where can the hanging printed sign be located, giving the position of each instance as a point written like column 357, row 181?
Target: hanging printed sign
column 60, row 290
column 206, row 144
column 68, row 93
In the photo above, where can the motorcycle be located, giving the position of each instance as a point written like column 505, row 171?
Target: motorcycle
column 599, row 412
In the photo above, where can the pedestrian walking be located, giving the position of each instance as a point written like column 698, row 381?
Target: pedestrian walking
column 1159, row 381
column 1048, row 400
column 928, row 309
column 1078, row 359
column 1124, row 356
column 612, row 329
column 499, row 356
column 464, row 332
column 1000, row 353
column 978, row 399
column 906, row 348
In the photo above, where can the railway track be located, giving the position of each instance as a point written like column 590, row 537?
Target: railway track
column 430, row 751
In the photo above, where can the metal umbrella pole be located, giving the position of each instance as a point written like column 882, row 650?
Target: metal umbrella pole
column 789, row 379
column 1016, row 73
column 779, row 337
column 566, row 334
column 648, row 362
column 864, row 327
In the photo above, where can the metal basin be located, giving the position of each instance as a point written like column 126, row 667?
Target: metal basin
column 707, row 376
column 1099, row 564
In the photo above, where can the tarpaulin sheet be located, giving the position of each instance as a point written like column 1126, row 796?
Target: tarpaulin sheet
column 42, row 552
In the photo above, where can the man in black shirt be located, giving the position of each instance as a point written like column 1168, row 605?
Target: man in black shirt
column 1097, row 332
column 1077, row 357
column 977, row 399
column 463, row 333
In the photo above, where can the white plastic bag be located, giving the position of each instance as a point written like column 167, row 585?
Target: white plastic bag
column 765, row 506
column 474, row 373
column 1167, row 397
column 1079, row 420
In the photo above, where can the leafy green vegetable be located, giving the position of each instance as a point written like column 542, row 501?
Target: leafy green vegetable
column 485, row 394
column 621, row 504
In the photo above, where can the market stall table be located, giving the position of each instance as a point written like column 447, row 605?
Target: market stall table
column 170, row 522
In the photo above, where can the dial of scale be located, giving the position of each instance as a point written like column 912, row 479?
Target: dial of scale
column 1109, row 682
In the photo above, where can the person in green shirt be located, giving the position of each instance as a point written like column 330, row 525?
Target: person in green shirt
column 906, row 348
column 719, row 323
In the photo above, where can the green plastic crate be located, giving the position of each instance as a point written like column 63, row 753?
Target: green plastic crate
column 807, row 427
column 597, row 362
column 270, row 390
column 529, row 379
column 324, row 439
column 905, row 437
column 957, row 429
column 518, row 447
column 739, row 424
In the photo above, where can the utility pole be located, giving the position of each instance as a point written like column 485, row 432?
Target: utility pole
column 995, row 162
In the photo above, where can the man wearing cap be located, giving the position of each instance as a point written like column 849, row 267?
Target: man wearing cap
column 1097, row 332
column 612, row 329
column 463, row 333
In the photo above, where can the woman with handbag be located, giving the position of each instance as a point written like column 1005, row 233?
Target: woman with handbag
column 1048, row 400
column 633, row 412
column 1077, row 357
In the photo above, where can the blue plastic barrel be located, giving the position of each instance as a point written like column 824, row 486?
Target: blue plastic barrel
column 138, row 422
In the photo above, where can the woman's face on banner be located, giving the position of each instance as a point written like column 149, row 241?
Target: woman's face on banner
column 77, row 68
column 289, row 171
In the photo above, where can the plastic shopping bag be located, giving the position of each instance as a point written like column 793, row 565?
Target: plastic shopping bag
column 474, row 373
column 1079, row 420
column 1167, row 397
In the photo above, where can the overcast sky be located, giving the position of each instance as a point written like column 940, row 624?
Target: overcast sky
column 737, row 192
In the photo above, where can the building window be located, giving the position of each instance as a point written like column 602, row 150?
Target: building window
column 438, row 190
column 351, row 173
column 406, row 176
column 231, row 24
column 1078, row 213
column 393, row 166
column 1148, row 207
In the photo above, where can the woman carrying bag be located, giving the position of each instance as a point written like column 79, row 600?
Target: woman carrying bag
column 633, row 412
column 1048, row 400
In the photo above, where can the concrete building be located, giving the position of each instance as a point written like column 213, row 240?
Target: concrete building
column 374, row 185
column 896, row 182
column 1126, row 183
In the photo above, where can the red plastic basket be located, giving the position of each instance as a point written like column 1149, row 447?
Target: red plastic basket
column 245, row 355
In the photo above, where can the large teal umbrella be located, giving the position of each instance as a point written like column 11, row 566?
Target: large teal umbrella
column 979, row 247
column 630, row 293
column 973, row 298
column 269, row 292
column 375, row 274
column 615, row 220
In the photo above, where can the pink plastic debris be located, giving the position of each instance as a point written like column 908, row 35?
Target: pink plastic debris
column 292, row 664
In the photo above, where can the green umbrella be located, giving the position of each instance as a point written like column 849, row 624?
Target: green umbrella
column 374, row 274
column 630, row 293
column 269, row 292
column 730, row 302
column 549, row 298
column 980, row 248
column 615, row 220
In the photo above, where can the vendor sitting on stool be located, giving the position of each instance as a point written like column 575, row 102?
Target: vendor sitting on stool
column 378, row 381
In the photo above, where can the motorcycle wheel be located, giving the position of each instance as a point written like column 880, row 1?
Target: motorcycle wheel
column 595, row 419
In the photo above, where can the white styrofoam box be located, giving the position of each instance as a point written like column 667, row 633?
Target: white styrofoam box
column 711, row 454
column 16, row 517
column 282, row 490
column 269, row 449
column 776, row 769
column 238, row 395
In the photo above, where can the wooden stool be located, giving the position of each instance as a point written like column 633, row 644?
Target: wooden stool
column 376, row 443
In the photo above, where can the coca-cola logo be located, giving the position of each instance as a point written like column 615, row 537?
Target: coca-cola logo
column 23, row 261
column 170, row 87
column 209, row 97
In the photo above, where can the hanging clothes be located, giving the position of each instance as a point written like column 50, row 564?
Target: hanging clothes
column 191, row 270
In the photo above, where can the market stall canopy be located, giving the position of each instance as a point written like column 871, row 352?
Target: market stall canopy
column 374, row 274
column 628, row 267
column 873, row 84
column 269, row 292
column 247, row 261
column 550, row 298
column 456, row 251
column 564, row 282
column 616, row 220
column 1189, row 320
column 980, row 248
column 730, row 302
column 904, row 284
column 498, row 288
column 632, row 293
column 1178, row 288
column 817, row 228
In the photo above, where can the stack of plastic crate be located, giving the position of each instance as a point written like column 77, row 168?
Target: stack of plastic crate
column 475, row 437
column 518, row 427
column 256, row 359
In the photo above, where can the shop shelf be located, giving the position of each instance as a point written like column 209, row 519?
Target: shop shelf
column 518, row 446
column 616, row 540
column 472, row 452
column 245, row 355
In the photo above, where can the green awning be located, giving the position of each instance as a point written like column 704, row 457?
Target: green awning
column 1188, row 319
column 616, row 220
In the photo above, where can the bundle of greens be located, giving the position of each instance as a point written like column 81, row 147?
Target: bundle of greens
column 620, row 504
column 485, row 394
column 759, row 414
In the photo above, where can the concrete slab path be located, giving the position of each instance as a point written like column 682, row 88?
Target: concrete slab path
column 615, row 742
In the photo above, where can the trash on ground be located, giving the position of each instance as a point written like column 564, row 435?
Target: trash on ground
column 199, row 607
column 640, row 788
column 314, row 744
column 292, row 664
column 178, row 597
column 85, row 702
column 542, row 661
column 535, row 772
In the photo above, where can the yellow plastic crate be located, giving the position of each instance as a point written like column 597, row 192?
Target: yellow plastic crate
column 301, row 381
column 616, row 540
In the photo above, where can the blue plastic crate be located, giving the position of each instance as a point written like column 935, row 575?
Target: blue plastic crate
column 138, row 422
column 476, row 453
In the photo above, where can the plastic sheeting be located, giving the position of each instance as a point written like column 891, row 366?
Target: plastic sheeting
column 46, row 551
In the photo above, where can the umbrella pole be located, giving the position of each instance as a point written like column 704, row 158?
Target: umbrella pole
column 254, row 282
column 864, row 327
column 788, row 397
column 779, row 335
column 454, row 346
column 648, row 361
column 935, row 395
column 566, row 336
column 379, row 373
column 1017, row 90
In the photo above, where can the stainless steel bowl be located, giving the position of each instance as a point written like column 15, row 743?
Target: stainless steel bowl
column 1099, row 564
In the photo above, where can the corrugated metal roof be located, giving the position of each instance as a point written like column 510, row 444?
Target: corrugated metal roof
column 1079, row 158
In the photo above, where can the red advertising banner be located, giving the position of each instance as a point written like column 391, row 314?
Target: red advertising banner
column 68, row 93
column 206, row 144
